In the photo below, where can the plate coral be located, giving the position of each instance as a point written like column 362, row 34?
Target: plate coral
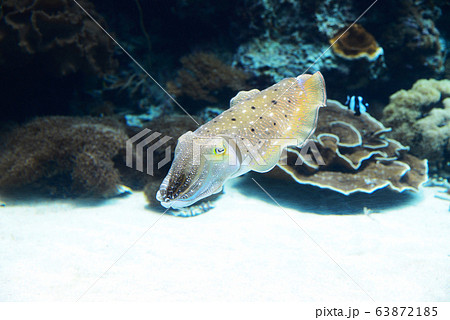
column 353, row 155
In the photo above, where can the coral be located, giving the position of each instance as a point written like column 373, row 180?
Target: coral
column 334, row 15
column 255, row 18
column 412, row 41
column 279, row 44
column 63, row 156
column 50, row 51
column 356, row 156
column 54, row 33
column 420, row 118
column 355, row 42
column 300, row 43
column 209, row 113
column 81, row 156
column 133, row 90
column 285, row 40
column 276, row 60
column 203, row 76
column 138, row 120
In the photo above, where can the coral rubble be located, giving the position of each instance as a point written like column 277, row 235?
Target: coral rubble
column 63, row 156
column 420, row 118
column 356, row 156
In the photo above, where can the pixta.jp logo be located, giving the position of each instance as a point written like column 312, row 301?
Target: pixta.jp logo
column 142, row 148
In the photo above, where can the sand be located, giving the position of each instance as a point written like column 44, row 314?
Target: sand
column 318, row 246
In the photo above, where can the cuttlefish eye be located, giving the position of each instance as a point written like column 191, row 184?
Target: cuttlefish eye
column 219, row 150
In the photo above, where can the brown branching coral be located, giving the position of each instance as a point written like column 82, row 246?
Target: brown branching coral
column 203, row 76
column 356, row 156
column 420, row 118
column 63, row 156
column 55, row 34
column 355, row 42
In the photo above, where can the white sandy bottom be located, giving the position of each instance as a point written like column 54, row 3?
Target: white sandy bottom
column 245, row 249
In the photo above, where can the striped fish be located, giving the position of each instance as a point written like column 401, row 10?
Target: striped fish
column 356, row 104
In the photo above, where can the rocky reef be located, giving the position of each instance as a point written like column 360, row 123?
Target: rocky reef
column 266, row 40
column 413, row 42
column 293, row 37
column 54, row 33
column 54, row 60
column 49, row 47
column 271, row 40
column 299, row 41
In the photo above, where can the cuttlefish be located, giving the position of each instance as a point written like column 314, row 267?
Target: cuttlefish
column 250, row 136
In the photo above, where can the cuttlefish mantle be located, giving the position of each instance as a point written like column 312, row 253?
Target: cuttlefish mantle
column 249, row 136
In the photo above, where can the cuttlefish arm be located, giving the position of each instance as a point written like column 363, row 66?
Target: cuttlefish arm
column 249, row 136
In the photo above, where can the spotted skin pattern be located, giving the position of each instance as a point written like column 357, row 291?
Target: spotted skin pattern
column 254, row 131
column 277, row 112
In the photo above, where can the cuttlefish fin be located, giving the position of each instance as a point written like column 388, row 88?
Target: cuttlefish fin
column 310, row 97
column 243, row 95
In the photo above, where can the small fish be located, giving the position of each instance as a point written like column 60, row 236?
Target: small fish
column 250, row 136
column 356, row 104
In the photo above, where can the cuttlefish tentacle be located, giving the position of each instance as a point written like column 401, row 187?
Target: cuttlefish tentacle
column 249, row 136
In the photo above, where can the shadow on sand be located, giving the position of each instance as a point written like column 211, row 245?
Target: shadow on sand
column 290, row 194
